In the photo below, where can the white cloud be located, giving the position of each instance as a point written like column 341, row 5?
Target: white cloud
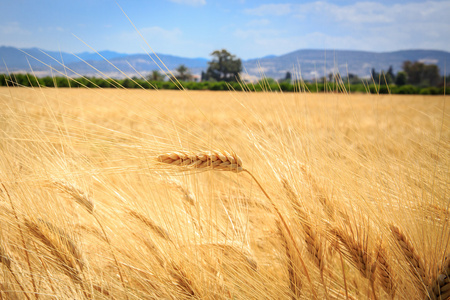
column 255, row 34
column 270, row 10
column 156, row 32
column 190, row 2
column 258, row 23
column 374, row 12
column 13, row 28
column 369, row 25
column 162, row 40
column 359, row 12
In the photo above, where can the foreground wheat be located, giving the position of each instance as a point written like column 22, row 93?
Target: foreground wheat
column 226, row 161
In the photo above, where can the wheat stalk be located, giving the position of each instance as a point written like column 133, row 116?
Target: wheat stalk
column 24, row 247
column 188, row 203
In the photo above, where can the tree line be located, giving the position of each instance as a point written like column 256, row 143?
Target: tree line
column 223, row 74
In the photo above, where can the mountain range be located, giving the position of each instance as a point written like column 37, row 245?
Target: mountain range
column 308, row 63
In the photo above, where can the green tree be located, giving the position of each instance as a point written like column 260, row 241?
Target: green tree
column 224, row 66
column 126, row 83
column 352, row 78
column 431, row 76
column 288, row 76
column 183, row 73
column 401, row 78
column 375, row 75
column 421, row 74
column 389, row 76
column 155, row 76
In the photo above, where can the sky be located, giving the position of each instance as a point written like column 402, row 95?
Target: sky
column 246, row 28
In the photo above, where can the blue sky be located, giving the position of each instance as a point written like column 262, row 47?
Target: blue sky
column 247, row 28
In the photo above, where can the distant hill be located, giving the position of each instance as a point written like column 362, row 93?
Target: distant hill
column 311, row 63
column 20, row 60
column 16, row 59
column 317, row 63
column 141, row 63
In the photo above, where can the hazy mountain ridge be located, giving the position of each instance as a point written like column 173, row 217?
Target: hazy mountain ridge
column 309, row 62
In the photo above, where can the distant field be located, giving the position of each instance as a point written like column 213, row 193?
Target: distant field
column 353, row 201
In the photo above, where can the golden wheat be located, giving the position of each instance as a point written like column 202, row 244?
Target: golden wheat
column 77, row 194
column 385, row 271
column 295, row 280
column 440, row 288
column 217, row 160
column 413, row 259
column 4, row 258
column 66, row 259
column 346, row 160
column 147, row 221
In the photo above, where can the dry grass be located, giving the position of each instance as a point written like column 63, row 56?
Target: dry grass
column 350, row 199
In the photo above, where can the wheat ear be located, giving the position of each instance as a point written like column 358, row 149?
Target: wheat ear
column 188, row 196
column 66, row 241
column 313, row 244
column 147, row 221
column 66, row 253
column 185, row 281
column 413, row 259
column 320, row 193
column 358, row 255
column 77, row 194
column 58, row 248
column 385, row 272
column 440, row 289
column 4, row 259
column 216, row 160
column 295, row 282
column 233, row 249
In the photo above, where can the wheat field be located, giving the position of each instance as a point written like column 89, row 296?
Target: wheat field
column 115, row 194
